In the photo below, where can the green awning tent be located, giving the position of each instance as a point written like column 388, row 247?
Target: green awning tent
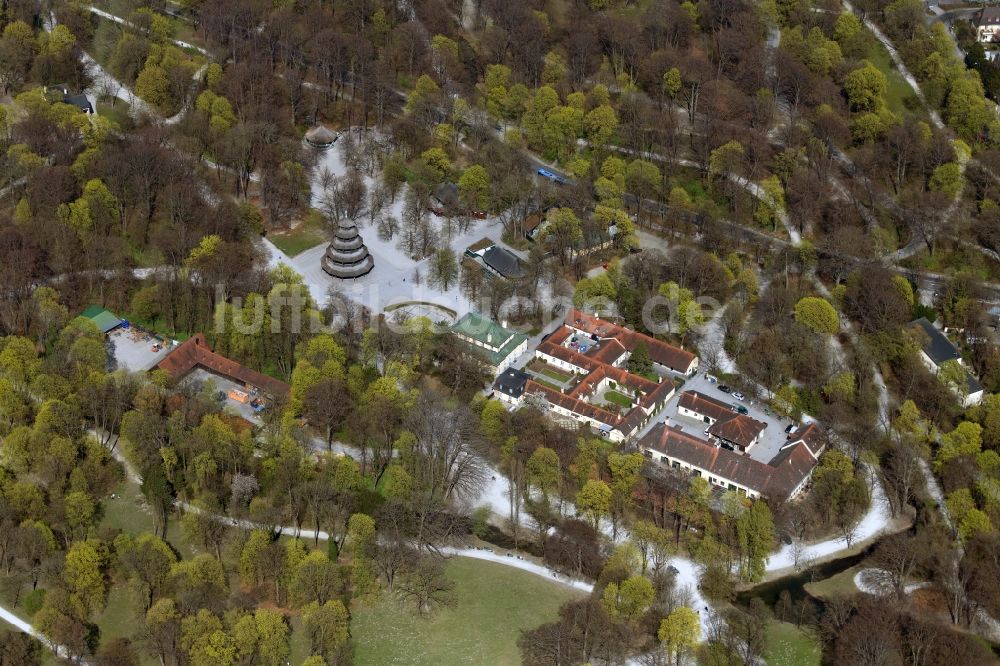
column 104, row 320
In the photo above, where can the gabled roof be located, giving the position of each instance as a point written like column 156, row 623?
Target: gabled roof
column 812, row 436
column 988, row 15
column 503, row 261
column 793, row 463
column 972, row 384
column 572, row 404
column 79, row 101
column 103, row 319
column 678, row 360
column 739, row 429
column 195, row 352
column 532, row 223
column 499, row 342
column 706, row 405
column 778, row 479
column 936, row 345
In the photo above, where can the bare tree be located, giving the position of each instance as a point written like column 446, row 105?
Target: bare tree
column 426, row 585
column 445, row 460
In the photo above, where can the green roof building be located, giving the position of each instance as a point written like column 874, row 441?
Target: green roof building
column 498, row 345
column 103, row 319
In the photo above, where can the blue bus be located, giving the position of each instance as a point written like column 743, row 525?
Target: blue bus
column 551, row 175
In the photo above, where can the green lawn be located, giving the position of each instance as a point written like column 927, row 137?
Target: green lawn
column 618, row 398
column 306, row 235
column 119, row 619
column 787, row 645
column 299, row 643
column 556, row 375
column 129, row 513
column 900, row 96
column 550, row 372
column 841, row 584
column 493, row 604
column 545, row 382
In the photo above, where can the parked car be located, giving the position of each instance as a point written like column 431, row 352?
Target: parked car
column 739, row 396
column 725, row 389
column 790, row 428
column 711, row 378
column 741, row 409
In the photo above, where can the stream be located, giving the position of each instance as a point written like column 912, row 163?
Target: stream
column 795, row 583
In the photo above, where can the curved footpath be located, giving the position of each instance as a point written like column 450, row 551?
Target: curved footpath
column 21, row 625
column 687, row 571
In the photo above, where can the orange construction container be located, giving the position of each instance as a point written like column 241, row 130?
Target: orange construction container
column 238, row 396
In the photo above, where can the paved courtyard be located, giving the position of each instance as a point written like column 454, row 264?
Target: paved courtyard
column 391, row 282
column 134, row 349
column 223, row 385
column 771, row 440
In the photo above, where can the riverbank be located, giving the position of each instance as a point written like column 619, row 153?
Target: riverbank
column 893, row 526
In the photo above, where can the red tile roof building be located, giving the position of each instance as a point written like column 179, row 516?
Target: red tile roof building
column 736, row 431
column 662, row 353
column 195, row 353
column 599, row 350
column 785, row 477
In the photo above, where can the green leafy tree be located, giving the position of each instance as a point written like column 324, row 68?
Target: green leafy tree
column 327, row 628
column 597, row 291
column 672, row 83
column 964, row 440
column 679, row 632
column 254, row 565
column 206, row 642
column 438, row 162
column 474, row 187
column 624, row 470
column 153, row 86
column 772, row 204
column 727, row 159
column 84, row 576
column 560, row 130
column 594, row 501
column 600, row 125
column 628, row 600
column 948, row 179
column 564, row 231
column 147, row 560
column 755, row 529
column 685, row 313
column 967, row 110
column 544, row 471
column 361, row 544
column 817, row 315
column 639, row 361
column 162, row 627
column 866, row 87
column 643, row 178
column 272, row 637
column 974, row 522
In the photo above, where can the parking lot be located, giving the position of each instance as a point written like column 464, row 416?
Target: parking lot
column 134, row 349
column 771, row 440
